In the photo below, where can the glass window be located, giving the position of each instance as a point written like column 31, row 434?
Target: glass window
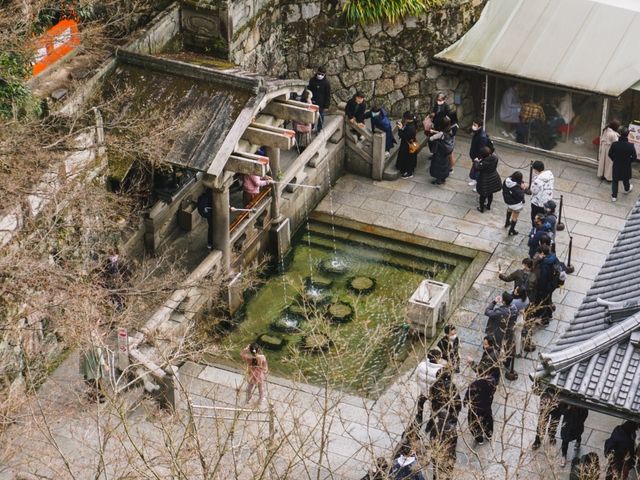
column 544, row 117
column 626, row 110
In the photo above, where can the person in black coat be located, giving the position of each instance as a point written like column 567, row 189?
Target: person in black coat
column 488, row 179
column 572, row 428
column 449, row 345
column 321, row 89
column 440, row 111
column 442, row 148
column 380, row 121
column 406, row 161
column 549, row 414
column 622, row 153
column 586, row 467
column 620, row 449
column 513, row 189
column 479, row 400
column 479, row 140
column 355, row 110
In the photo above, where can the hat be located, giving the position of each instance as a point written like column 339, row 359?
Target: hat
column 550, row 205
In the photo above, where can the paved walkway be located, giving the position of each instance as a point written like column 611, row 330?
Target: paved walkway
column 317, row 433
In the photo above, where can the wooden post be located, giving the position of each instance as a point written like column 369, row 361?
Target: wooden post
column 378, row 155
column 220, row 224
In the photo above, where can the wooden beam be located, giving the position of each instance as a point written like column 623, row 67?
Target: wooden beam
column 268, row 136
column 292, row 110
column 239, row 164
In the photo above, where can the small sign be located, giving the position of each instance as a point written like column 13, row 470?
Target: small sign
column 55, row 43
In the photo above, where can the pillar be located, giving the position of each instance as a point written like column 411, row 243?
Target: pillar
column 220, row 224
column 280, row 233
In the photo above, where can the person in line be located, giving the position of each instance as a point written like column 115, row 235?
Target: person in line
column 251, row 187
column 479, row 400
column 520, row 276
column 440, row 111
column 442, row 148
column 380, row 120
column 538, row 230
column 499, row 314
column 549, row 415
column 572, row 429
column 355, row 112
column 321, row 90
column 443, row 443
column 407, row 160
column 303, row 130
column 489, row 363
column 479, row 140
column 622, row 153
column 513, row 189
column 586, row 467
column 429, row 130
column 609, row 137
column 257, row 370
column 520, row 303
column 541, row 188
column 453, row 117
column 445, row 400
column 551, row 221
column 449, row 345
column 488, row 178
column 427, row 373
column 546, row 284
column 620, row 450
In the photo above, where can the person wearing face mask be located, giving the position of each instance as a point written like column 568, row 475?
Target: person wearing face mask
column 321, row 90
column 380, row 121
column 355, row 111
column 440, row 111
column 406, row 161
column 479, row 140
column 449, row 345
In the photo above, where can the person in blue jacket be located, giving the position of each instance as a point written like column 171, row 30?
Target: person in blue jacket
column 380, row 120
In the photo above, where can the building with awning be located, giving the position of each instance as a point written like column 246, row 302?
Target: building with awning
column 574, row 63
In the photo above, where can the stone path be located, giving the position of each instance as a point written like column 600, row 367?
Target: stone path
column 328, row 434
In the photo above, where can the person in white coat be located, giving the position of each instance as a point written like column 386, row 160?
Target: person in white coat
column 426, row 374
column 609, row 136
column 541, row 189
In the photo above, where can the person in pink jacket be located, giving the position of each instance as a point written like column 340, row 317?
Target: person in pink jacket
column 251, row 187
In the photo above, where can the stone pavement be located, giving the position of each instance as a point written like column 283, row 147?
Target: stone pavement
column 317, row 433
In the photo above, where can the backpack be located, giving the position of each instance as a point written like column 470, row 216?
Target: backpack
column 204, row 204
column 558, row 274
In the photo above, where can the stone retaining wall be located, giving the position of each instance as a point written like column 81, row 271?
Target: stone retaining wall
column 390, row 63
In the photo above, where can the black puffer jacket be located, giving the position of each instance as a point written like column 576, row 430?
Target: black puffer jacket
column 512, row 192
column 488, row 180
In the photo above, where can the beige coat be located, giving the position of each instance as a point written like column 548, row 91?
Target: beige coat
column 605, row 165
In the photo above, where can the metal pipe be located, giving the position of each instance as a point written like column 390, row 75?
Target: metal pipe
column 560, row 225
column 234, row 209
column 316, row 187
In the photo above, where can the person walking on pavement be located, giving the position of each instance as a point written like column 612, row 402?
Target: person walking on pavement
column 407, row 160
column 549, row 414
column 609, row 137
column 321, row 94
column 488, row 178
column 479, row 401
column 442, row 147
column 541, row 188
column 513, row 189
column 257, row 369
column 479, row 140
column 622, row 153
column 489, row 363
column 498, row 314
column 572, row 429
column 620, row 450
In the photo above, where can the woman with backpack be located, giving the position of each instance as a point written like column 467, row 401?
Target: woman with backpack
column 513, row 194
column 442, row 148
column 488, row 179
column 407, row 157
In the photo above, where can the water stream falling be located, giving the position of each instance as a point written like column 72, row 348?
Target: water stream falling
column 335, row 262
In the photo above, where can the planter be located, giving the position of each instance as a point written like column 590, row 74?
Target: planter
column 271, row 342
column 362, row 285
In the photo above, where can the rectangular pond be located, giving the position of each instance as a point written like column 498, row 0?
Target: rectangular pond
column 335, row 313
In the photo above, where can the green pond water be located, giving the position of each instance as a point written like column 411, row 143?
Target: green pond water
column 364, row 354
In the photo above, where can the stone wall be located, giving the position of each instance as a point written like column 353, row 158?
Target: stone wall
column 390, row 63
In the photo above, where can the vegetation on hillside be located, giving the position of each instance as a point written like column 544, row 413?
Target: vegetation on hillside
column 370, row 11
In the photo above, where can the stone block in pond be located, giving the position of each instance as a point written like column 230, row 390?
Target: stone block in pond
column 271, row 342
column 333, row 266
column 340, row 312
column 362, row 285
column 315, row 342
column 318, row 282
column 427, row 307
column 287, row 323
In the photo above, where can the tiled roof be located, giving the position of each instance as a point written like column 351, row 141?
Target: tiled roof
column 597, row 359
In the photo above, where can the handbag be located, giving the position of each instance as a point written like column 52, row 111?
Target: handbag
column 414, row 146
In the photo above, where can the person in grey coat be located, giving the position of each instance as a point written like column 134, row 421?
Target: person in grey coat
column 498, row 314
column 622, row 153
